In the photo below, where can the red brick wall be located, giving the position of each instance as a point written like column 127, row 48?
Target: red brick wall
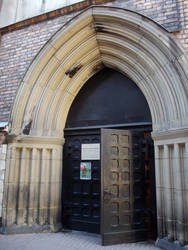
column 171, row 14
column 164, row 12
column 21, row 42
column 182, row 35
column 17, row 50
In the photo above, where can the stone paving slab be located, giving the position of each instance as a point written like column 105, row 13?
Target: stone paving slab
column 64, row 241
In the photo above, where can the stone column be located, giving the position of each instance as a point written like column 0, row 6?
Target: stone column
column 32, row 188
column 171, row 163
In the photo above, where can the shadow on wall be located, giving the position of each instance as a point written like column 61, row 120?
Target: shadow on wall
column 3, row 135
column 3, row 147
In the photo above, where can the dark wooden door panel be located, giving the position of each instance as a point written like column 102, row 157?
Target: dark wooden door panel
column 81, row 198
column 122, row 193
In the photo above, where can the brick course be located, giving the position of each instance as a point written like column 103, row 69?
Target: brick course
column 21, row 42
column 18, row 48
column 182, row 35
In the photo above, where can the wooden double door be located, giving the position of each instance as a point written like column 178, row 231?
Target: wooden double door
column 109, row 184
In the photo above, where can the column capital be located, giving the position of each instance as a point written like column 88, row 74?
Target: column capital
column 181, row 135
column 23, row 139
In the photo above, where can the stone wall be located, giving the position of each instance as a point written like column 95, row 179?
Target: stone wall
column 15, row 11
column 32, row 195
column 3, row 149
column 20, row 43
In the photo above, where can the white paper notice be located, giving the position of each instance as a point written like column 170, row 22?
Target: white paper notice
column 90, row 151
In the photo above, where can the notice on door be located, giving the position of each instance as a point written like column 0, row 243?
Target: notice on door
column 85, row 171
column 90, row 151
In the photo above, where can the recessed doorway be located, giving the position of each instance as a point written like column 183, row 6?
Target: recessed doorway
column 108, row 175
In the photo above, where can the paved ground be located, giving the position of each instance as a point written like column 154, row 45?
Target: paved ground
column 64, row 241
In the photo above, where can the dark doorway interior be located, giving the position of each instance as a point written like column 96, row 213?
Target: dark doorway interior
column 108, row 100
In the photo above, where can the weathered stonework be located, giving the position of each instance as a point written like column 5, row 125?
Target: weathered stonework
column 32, row 188
column 20, row 43
column 120, row 39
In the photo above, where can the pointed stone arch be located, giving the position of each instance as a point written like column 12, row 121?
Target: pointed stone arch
column 117, row 38
column 137, row 47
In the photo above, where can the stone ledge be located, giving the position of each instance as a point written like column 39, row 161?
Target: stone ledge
column 167, row 245
column 54, row 13
column 170, row 134
column 15, row 229
column 35, row 140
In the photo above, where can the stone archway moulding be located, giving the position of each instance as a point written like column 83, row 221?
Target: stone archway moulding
column 98, row 37
column 117, row 38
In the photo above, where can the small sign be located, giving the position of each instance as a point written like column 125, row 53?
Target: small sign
column 90, row 151
column 85, row 171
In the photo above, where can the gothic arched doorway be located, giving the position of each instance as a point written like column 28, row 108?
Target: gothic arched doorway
column 124, row 41
column 108, row 174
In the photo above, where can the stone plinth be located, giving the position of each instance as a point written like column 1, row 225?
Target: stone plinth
column 32, row 187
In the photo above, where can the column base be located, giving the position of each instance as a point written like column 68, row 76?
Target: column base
column 169, row 245
column 15, row 229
